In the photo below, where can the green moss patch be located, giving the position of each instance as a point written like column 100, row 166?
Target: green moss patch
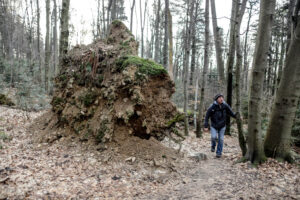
column 101, row 132
column 57, row 101
column 5, row 100
column 145, row 66
column 178, row 118
column 88, row 98
column 116, row 23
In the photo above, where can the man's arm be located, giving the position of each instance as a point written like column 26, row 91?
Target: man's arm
column 207, row 116
column 229, row 111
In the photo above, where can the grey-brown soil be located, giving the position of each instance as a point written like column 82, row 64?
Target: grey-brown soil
column 106, row 92
column 72, row 168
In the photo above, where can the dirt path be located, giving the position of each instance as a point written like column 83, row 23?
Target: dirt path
column 69, row 169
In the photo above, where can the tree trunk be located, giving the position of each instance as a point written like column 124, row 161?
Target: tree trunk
column 186, row 63
column 255, row 151
column 108, row 19
column 275, row 66
column 38, row 42
column 64, row 32
column 165, row 50
column 218, row 45
column 170, row 68
column 47, row 45
column 142, row 25
column 131, row 14
column 239, row 61
column 55, row 55
column 282, row 54
column 230, row 59
column 246, row 63
column 103, row 16
column 289, row 24
column 157, row 22
column 194, row 49
column 114, row 10
column 204, row 74
column 278, row 138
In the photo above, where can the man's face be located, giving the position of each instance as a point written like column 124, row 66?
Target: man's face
column 220, row 100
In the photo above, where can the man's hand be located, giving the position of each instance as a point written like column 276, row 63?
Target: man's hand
column 205, row 129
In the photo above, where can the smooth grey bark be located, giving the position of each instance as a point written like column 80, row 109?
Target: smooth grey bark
column 186, row 61
column 291, row 6
column 230, row 59
column 38, row 42
column 166, row 36
column 108, row 18
column 246, row 62
column 218, row 46
column 204, row 73
column 194, row 49
column 47, row 46
column 170, row 67
column 103, row 19
column 131, row 14
column 239, row 61
column 282, row 54
column 255, row 151
column 55, row 53
column 142, row 25
column 64, row 31
column 157, row 22
column 278, row 138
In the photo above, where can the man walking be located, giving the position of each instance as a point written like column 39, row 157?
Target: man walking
column 217, row 113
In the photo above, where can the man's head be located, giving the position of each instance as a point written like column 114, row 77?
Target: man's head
column 219, row 98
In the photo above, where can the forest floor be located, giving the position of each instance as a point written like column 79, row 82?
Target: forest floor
column 69, row 168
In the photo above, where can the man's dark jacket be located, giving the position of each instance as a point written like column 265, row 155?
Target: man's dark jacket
column 217, row 114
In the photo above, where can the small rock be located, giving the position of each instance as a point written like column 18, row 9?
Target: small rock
column 130, row 159
column 199, row 156
column 115, row 177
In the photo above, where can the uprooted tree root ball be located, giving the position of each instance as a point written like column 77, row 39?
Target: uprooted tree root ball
column 106, row 92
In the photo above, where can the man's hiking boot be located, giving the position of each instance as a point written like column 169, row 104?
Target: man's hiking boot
column 218, row 156
column 212, row 150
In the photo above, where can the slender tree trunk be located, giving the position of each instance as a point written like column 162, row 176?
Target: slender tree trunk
column 55, row 55
column 170, row 68
column 246, row 63
column 47, row 45
column 278, row 138
column 218, row 46
column 108, row 12
column 194, row 49
column 157, row 22
column 255, row 151
column 275, row 66
column 64, row 32
column 98, row 20
column 38, row 42
column 103, row 18
column 142, row 25
column 131, row 14
column 204, row 74
column 114, row 10
column 230, row 59
column 282, row 54
column 186, row 63
column 166, row 36
column 289, row 23
column 239, row 61
column 196, row 98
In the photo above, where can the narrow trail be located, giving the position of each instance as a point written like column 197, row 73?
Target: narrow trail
column 69, row 169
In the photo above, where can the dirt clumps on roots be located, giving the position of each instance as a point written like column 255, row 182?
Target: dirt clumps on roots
column 107, row 94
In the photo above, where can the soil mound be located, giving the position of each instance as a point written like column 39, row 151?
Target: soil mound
column 106, row 92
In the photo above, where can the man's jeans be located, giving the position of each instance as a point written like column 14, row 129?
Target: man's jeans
column 220, row 133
